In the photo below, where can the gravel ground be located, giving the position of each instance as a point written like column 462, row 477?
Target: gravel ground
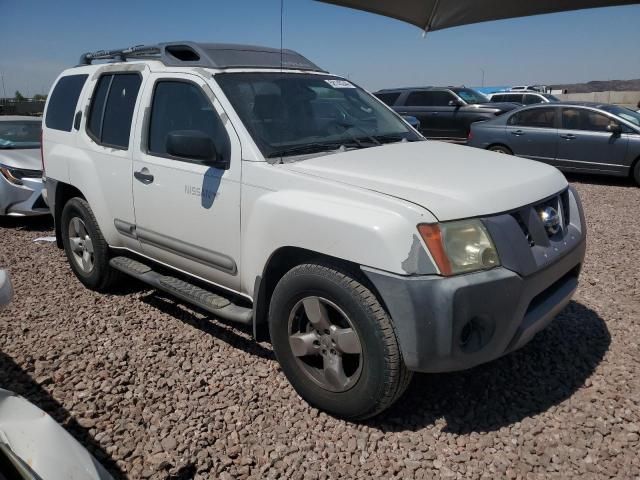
column 156, row 389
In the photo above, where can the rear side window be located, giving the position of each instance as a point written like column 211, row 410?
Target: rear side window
column 583, row 119
column 388, row 98
column 429, row 99
column 179, row 106
column 63, row 101
column 111, row 113
column 535, row 117
column 532, row 99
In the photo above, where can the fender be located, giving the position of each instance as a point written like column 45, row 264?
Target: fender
column 365, row 233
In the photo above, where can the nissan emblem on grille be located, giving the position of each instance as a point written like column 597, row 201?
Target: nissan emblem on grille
column 550, row 220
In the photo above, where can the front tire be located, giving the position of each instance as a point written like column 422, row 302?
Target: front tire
column 335, row 343
column 86, row 249
column 636, row 172
column 500, row 149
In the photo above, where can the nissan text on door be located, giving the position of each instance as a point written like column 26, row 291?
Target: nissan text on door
column 268, row 192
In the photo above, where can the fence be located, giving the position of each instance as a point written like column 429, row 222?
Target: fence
column 28, row 106
column 625, row 99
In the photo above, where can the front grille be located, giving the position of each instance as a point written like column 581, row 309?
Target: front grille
column 39, row 203
column 523, row 227
column 530, row 220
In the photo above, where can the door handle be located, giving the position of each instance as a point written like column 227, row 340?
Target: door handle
column 568, row 136
column 144, row 176
column 517, row 133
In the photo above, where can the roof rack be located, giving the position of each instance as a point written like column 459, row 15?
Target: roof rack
column 208, row 55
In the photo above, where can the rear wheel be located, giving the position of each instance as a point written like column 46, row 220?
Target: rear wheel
column 85, row 247
column 636, row 172
column 500, row 149
column 335, row 342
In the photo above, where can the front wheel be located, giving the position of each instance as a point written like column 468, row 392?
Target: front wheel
column 86, row 249
column 335, row 343
column 636, row 172
column 500, row 149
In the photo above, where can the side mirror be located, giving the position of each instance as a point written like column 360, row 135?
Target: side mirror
column 6, row 289
column 614, row 129
column 455, row 103
column 194, row 145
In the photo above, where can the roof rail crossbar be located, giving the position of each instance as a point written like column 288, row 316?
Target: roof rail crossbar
column 120, row 54
column 208, row 55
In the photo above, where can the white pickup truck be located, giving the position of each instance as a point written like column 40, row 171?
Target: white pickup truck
column 260, row 188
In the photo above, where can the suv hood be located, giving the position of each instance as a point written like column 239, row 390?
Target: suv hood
column 450, row 181
column 25, row 158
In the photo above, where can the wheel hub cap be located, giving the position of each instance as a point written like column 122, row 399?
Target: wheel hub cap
column 81, row 245
column 326, row 346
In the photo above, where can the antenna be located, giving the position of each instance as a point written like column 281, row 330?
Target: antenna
column 281, row 34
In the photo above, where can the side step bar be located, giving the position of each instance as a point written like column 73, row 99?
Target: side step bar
column 188, row 292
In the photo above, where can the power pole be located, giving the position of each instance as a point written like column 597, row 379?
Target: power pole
column 4, row 90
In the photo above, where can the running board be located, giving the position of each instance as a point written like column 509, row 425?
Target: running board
column 212, row 303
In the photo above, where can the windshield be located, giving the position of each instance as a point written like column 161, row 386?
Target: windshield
column 471, row 96
column 628, row 115
column 20, row 134
column 292, row 114
column 551, row 98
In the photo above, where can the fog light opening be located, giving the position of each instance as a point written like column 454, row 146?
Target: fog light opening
column 475, row 334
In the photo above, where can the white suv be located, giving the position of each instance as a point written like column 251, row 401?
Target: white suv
column 255, row 185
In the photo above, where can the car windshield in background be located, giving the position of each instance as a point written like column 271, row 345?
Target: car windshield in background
column 471, row 96
column 294, row 114
column 622, row 112
column 20, row 134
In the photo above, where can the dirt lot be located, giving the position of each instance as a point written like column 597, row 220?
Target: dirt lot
column 156, row 389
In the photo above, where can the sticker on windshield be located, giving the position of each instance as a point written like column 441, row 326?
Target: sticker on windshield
column 340, row 84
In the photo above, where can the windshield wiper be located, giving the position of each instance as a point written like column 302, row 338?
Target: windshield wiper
column 308, row 148
column 369, row 137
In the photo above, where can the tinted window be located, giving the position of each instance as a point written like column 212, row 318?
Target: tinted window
column 94, row 124
column 429, row 99
column 63, row 101
column 498, row 98
column 388, row 98
column 535, row 117
column 112, row 109
column 116, row 126
column 583, row 119
column 184, row 106
column 532, row 99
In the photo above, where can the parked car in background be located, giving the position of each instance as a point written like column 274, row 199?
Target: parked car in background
column 21, row 186
column 581, row 137
column 528, row 88
column 413, row 121
column 525, row 98
column 444, row 112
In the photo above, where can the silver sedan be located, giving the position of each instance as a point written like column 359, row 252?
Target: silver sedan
column 21, row 184
column 579, row 137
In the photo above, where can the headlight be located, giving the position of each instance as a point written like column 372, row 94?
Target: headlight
column 460, row 247
column 11, row 175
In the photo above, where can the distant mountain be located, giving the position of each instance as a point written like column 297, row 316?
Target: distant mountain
column 601, row 86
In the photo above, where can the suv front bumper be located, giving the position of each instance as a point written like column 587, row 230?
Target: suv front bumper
column 455, row 323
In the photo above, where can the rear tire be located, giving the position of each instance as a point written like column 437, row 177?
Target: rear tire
column 85, row 247
column 636, row 172
column 500, row 149
column 321, row 316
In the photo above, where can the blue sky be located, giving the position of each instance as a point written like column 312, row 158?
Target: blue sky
column 40, row 38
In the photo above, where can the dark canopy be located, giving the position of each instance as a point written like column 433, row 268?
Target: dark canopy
column 438, row 14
